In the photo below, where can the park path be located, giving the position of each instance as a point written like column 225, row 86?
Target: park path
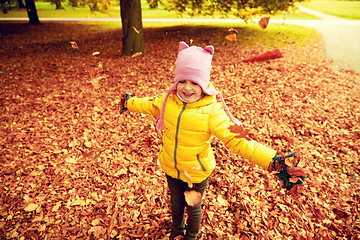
column 341, row 36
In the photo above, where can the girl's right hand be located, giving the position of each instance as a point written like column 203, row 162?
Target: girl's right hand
column 123, row 101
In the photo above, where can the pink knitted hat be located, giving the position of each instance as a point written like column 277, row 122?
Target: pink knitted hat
column 193, row 63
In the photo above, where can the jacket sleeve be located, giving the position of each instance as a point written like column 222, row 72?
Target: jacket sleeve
column 146, row 105
column 255, row 152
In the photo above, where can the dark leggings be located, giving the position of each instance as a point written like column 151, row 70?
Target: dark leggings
column 178, row 204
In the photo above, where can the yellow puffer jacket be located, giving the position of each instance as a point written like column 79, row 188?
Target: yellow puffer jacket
column 187, row 131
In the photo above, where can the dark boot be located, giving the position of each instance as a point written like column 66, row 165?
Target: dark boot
column 173, row 235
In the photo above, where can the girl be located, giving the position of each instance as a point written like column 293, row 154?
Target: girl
column 189, row 114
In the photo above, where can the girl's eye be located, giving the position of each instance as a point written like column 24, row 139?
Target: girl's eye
column 194, row 83
column 181, row 81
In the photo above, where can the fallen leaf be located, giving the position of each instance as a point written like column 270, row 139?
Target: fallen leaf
column 136, row 54
column 95, row 222
column 340, row 213
column 31, row 207
column 221, row 201
column 97, row 231
column 56, row 207
column 88, row 154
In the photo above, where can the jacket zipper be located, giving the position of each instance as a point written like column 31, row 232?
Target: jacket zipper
column 201, row 164
column 176, row 139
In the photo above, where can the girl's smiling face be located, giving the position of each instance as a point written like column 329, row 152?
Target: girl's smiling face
column 189, row 91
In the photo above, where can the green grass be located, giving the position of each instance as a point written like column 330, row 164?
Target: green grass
column 344, row 9
column 275, row 36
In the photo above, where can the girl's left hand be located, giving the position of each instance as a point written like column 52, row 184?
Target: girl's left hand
column 290, row 175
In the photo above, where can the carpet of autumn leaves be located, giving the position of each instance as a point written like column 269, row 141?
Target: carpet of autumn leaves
column 72, row 167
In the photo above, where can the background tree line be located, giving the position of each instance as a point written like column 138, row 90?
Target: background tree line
column 131, row 17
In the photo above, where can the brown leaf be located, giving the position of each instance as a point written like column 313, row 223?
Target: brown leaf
column 157, row 110
column 293, row 191
column 340, row 213
column 233, row 30
column 222, row 201
column 268, row 55
column 56, row 207
column 74, row 45
column 88, row 154
column 97, row 231
column 31, row 207
column 263, row 22
column 179, row 237
column 136, row 54
column 137, row 31
column 240, row 130
column 231, row 37
column 296, row 172
column 192, row 197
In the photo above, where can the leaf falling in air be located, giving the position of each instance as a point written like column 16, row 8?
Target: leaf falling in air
column 233, row 30
column 268, row 55
column 231, row 37
column 74, row 45
column 192, row 197
column 240, row 130
column 137, row 31
column 263, row 22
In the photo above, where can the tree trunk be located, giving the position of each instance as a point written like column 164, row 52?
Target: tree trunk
column 73, row 3
column 132, row 28
column 58, row 4
column 31, row 11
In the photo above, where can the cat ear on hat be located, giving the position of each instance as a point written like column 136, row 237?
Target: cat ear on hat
column 210, row 49
column 183, row 45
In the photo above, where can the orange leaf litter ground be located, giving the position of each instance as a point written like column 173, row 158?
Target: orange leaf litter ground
column 72, row 167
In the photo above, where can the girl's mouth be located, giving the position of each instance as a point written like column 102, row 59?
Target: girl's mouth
column 188, row 94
